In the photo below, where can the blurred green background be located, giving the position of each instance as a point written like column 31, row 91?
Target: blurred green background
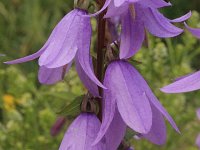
column 28, row 109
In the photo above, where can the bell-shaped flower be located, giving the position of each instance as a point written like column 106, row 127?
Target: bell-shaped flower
column 135, row 22
column 81, row 134
column 138, row 107
column 70, row 39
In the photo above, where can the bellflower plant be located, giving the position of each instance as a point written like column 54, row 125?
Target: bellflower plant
column 69, row 40
column 124, row 100
column 129, row 94
column 83, row 130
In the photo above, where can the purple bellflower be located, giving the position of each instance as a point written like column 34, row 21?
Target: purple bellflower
column 135, row 18
column 81, row 134
column 69, row 40
column 129, row 94
column 127, row 100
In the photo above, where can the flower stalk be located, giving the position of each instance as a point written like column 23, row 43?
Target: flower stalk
column 100, row 53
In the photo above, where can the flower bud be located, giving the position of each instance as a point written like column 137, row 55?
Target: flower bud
column 81, row 4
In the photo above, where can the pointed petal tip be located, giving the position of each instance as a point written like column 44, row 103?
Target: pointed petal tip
column 194, row 31
column 7, row 63
column 12, row 62
column 178, row 131
column 182, row 18
column 164, row 90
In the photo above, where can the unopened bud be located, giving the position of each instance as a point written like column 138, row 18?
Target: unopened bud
column 58, row 126
column 82, row 4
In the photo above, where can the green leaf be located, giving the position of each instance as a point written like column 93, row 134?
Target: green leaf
column 72, row 109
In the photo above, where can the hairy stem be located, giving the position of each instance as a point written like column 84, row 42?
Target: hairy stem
column 100, row 54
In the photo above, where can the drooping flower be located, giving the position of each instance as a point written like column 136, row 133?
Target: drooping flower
column 138, row 107
column 70, row 39
column 134, row 21
column 81, row 134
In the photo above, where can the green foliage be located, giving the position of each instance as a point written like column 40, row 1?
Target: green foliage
column 72, row 109
column 28, row 110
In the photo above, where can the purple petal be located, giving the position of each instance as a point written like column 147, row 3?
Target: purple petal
column 107, row 2
column 118, row 3
column 182, row 18
column 114, row 11
column 83, row 54
column 140, row 85
column 198, row 113
column 157, row 24
column 198, row 140
column 109, row 106
column 187, row 84
column 162, row 110
column 63, row 46
column 132, row 36
column 37, row 54
column 132, row 104
column 27, row 58
column 93, row 89
column 157, row 134
column 154, row 3
column 115, row 133
column 82, row 133
column 195, row 32
column 50, row 76
column 182, row 77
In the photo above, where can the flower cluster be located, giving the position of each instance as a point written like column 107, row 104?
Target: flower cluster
column 127, row 100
